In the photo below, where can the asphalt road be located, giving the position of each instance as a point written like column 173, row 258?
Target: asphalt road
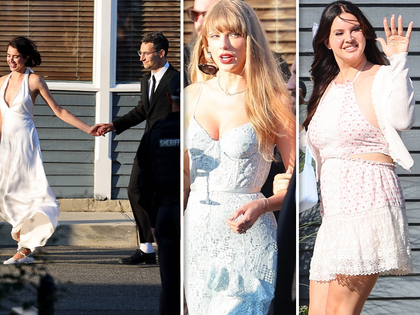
column 90, row 281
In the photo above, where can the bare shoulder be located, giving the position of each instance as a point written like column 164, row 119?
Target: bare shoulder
column 374, row 69
column 3, row 79
column 369, row 75
column 36, row 82
column 35, row 79
column 191, row 93
column 192, row 90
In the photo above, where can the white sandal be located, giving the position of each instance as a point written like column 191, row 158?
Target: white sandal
column 27, row 259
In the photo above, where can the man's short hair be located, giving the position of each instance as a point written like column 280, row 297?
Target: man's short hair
column 159, row 41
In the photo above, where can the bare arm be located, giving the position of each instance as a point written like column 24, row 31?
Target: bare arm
column 186, row 178
column 190, row 95
column 38, row 84
column 2, row 79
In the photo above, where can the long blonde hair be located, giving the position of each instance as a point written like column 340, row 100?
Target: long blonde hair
column 267, row 101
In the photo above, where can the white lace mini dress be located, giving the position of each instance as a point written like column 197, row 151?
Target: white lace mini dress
column 225, row 272
column 364, row 226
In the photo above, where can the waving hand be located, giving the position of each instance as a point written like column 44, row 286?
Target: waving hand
column 395, row 42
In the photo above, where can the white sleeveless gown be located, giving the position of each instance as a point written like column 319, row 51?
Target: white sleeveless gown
column 26, row 199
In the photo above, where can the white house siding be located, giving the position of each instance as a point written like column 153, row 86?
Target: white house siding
column 391, row 295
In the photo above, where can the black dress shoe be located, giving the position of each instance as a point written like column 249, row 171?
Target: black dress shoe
column 139, row 257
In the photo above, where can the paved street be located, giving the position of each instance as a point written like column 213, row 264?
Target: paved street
column 91, row 281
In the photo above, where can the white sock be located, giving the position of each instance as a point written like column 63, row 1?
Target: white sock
column 147, row 248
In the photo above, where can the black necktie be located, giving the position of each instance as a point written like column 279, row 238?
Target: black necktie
column 153, row 89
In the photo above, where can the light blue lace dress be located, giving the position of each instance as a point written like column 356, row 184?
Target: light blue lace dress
column 225, row 272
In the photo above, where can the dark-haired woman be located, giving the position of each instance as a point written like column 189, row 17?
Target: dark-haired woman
column 26, row 200
column 358, row 105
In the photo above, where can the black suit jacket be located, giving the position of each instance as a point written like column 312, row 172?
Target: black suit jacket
column 159, row 108
column 282, row 302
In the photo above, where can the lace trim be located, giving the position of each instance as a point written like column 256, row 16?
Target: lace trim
column 376, row 242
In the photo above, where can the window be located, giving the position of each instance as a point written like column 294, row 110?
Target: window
column 62, row 30
column 137, row 18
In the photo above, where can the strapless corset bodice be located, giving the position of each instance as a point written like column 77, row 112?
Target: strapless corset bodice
column 231, row 164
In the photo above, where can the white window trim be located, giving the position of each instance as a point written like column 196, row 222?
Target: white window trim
column 104, row 84
column 71, row 86
column 103, row 56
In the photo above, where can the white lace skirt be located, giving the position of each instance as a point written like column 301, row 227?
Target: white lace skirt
column 225, row 272
column 364, row 227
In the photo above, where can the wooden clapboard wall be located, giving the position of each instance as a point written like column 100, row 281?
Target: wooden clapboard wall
column 278, row 19
column 68, row 152
column 124, row 146
column 391, row 295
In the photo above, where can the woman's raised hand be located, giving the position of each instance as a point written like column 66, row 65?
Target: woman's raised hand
column 395, row 42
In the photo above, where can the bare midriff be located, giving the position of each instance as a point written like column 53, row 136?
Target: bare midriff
column 378, row 157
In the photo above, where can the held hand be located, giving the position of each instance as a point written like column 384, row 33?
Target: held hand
column 106, row 128
column 281, row 181
column 101, row 129
column 395, row 42
column 93, row 131
column 250, row 213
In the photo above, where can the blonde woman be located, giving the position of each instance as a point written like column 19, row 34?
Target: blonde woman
column 234, row 119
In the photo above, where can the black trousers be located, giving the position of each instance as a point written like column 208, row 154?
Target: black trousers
column 140, row 215
column 168, row 237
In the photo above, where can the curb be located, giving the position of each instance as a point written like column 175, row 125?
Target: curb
column 86, row 229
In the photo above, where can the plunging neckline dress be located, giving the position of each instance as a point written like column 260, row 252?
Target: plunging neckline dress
column 26, row 199
column 225, row 272
column 364, row 226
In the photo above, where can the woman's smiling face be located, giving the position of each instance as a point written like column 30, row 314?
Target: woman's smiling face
column 346, row 39
column 15, row 59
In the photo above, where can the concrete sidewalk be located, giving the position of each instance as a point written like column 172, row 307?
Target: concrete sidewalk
column 113, row 229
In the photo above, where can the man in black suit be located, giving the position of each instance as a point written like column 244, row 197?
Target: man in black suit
column 159, row 185
column 152, row 106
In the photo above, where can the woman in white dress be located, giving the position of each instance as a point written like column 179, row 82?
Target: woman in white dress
column 234, row 119
column 26, row 200
column 358, row 105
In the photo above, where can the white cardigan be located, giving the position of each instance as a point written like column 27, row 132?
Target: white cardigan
column 393, row 101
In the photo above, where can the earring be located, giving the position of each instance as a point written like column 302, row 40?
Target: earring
column 209, row 55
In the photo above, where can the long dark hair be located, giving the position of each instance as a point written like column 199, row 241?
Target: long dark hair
column 324, row 67
column 27, row 48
